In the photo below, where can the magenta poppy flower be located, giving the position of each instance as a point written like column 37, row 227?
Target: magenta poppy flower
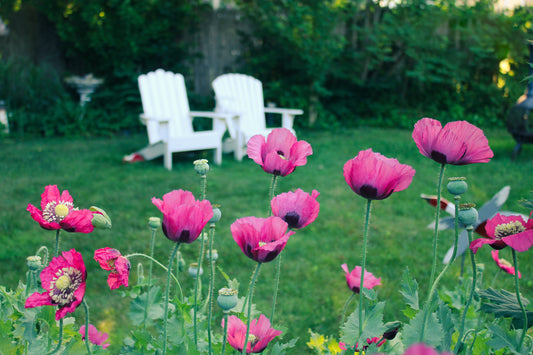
column 422, row 349
column 111, row 260
column 280, row 153
column 64, row 282
column 504, row 264
column 183, row 216
column 95, row 337
column 298, row 208
column 505, row 231
column 375, row 177
column 260, row 334
column 353, row 279
column 375, row 340
column 58, row 212
column 261, row 239
column 458, row 143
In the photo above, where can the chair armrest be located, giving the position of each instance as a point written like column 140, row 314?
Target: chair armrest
column 144, row 119
column 229, row 120
column 287, row 115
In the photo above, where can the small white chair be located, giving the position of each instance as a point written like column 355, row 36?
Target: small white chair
column 168, row 118
column 242, row 96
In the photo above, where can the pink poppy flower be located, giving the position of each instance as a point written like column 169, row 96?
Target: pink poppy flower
column 505, row 231
column 111, row 260
column 375, row 177
column 95, row 337
column 353, row 279
column 458, row 143
column 64, row 282
column 260, row 334
column 183, row 216
column 298, row 208
column 280, row 153
column 504, row 264
column 261, row 239
column 58, row 212
column 422, row 349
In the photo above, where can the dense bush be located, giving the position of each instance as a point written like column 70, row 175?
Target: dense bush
column 346, row 63
column 395, row 63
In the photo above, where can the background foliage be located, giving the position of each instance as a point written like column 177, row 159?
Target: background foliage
column 346, row 62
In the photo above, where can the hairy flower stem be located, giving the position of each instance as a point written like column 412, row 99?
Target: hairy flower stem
column 45, row 251
column 87, row 340
column 162, row 266
column 211, row 285
column 427, row 306
column 460, row 341
column 60, row 338
column 165, row 316
column 363, row 265
column 278, row 261
column 56, row 249
column 249, row 313
column 524, row 314
column 437, row 216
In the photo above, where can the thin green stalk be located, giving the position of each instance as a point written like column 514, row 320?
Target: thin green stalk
column 45, row 250
column 363, row 265
column 348, row 301
column 165, row 319
column 524, row 314
column 60, row 338
column 226, row 315
column 162, row 266
column 433, row 289
column 273, row 185
column 437, row 216
column 152, row 246
column 211, row 284
column 460, row 340
column 87, row 340
column 56, row 249
column 495, row 278
column 203, row 186
column 249, row 316
column 196, row 283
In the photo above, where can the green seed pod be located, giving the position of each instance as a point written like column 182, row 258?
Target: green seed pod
column 227, row 298
column 468, row 215
column 457, row 185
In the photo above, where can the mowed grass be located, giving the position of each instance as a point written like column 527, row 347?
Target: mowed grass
column 313, row 288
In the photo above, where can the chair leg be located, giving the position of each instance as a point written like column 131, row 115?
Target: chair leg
column 217, row 155
column 167, row 159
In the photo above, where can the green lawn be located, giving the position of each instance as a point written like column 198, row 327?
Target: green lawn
column 313, row 288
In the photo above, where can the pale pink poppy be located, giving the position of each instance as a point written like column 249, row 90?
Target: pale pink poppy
column 504, row 264
column 280, row 153
column 375, row 177
column 260, row 334
column 183, row 216
column 261, row 239
column 353, row 279
column 457, row 143
column 298, row 208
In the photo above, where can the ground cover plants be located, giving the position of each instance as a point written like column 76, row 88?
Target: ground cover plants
column 313, row 290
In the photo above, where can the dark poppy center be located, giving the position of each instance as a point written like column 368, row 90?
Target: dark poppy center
column 368, row 192
column 292, row 218
column 438, row 157
column 184, row 236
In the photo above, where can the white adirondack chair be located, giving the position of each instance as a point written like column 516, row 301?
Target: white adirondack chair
column 242, row 95
column 168, row 118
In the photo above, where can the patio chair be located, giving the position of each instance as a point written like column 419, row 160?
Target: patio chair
column 168, row 119
column 243, row 95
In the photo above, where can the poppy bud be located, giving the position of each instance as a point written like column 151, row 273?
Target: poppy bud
column 100, row 218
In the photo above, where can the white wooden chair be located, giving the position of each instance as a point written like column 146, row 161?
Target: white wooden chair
column 168, row 118
column 242, row 96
